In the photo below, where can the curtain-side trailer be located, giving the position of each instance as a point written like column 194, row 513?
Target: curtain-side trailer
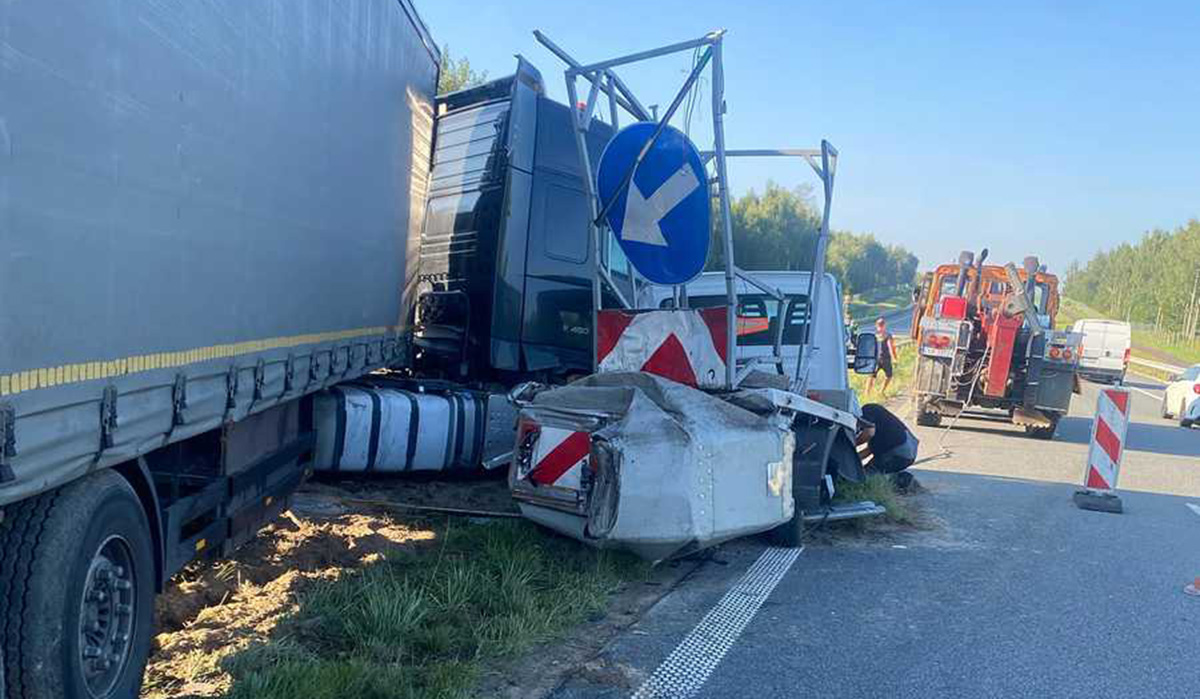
column 205, row 213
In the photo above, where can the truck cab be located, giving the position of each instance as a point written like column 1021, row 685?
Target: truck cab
column 504, row 265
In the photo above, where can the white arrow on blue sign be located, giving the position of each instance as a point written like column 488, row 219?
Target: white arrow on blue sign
column 662, row 218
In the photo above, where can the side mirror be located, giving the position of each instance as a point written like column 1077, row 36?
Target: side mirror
column 866, row 353
column 1172, row 378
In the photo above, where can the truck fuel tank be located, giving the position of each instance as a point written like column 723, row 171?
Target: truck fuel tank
column 380, row 427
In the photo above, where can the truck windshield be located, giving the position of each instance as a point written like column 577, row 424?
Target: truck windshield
column 758, row 317
column 1041, row 296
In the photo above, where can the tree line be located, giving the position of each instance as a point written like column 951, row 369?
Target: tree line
column 1154, row 281
column 777, row 230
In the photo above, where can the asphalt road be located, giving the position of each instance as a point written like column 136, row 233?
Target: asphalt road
column 1007, row 590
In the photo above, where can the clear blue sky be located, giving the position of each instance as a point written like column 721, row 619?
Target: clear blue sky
column 1055, row 129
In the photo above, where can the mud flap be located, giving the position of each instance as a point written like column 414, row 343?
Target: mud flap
column 814, row 440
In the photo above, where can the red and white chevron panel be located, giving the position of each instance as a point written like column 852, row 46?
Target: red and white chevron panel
column 1108, row 439
column 559, row 457
column 686, row 345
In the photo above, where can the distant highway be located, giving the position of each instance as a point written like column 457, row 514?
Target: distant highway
column 899, row 321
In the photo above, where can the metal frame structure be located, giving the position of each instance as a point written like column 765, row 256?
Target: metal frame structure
column 823, row 161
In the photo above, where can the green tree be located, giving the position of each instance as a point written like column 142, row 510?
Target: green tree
column 777, row 230
column 1155, row 281
column 457, row 74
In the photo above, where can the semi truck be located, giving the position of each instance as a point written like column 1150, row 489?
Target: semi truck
column 987, row 346
column 221, row 223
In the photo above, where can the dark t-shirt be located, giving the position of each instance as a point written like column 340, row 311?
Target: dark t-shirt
column 885, row 347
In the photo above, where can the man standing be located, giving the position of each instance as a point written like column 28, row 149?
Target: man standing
column 887, row 352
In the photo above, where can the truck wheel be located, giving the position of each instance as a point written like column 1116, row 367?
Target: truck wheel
column 926, row 417
column 1182, row 414
column 76, row 592
column 1166, row 414
column 1038, row 432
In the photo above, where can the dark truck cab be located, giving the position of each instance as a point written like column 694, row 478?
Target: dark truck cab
column 505, row 261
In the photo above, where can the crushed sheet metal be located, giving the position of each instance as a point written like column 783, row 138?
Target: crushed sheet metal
column 693, row 661
column 684, row 469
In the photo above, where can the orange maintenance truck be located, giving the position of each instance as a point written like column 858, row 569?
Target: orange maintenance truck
column 988, row 348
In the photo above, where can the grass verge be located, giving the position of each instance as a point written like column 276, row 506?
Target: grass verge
column 420, row 624
column 1148, row 344
column 880, row 489
column 866, row 307
column 903, row 368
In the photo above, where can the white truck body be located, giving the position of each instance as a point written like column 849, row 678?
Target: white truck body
column 1106, row 345
column 828, row 381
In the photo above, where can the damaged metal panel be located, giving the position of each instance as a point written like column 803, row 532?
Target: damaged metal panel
column 237, row 215
column 663, row 468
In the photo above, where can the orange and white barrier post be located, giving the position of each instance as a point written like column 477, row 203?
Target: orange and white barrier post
column 1104, row 452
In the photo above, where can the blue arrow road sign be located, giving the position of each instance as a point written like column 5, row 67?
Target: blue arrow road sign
column 662, row 218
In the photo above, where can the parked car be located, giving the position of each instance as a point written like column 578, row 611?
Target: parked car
column 1106, row 346
column 1181, row 394
column 1191, row 416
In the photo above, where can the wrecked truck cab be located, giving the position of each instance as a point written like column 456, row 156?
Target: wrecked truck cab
column 637, row 462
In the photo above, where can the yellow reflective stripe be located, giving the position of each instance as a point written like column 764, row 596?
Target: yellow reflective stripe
column 31, row 379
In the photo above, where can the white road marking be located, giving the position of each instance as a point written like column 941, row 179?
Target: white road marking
column 1193, row 508
column 689, row 666
column 1144, row 392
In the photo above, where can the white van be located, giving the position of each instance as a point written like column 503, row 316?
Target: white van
column 759, row 316
column 1105, row 349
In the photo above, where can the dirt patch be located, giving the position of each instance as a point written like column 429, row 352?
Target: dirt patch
column 484, row 493
column 213, row 609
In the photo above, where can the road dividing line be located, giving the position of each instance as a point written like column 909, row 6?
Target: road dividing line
column 1193, row 508
column 1144, row 392
column 689, row 666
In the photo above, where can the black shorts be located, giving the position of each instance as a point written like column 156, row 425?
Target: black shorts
column 885, row 365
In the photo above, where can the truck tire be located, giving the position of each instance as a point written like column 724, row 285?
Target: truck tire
column 1038, row 432
column 1183, row 421
column 76, row 592
column 927, row 417
column 1166, row 414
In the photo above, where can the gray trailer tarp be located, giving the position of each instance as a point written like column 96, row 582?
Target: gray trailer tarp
column 204, row 211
